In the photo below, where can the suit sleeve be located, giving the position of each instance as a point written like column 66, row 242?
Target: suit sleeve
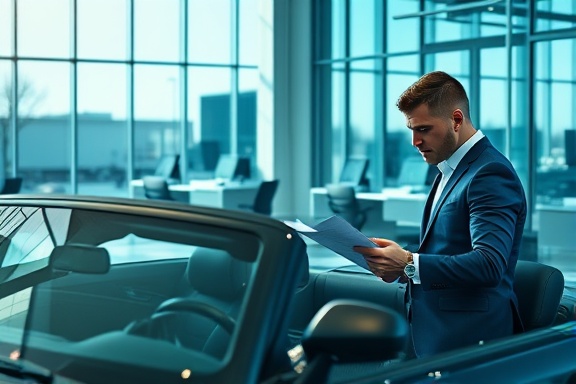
column 494, row 204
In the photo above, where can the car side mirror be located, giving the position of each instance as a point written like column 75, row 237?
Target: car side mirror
column 81, row 258
column 347, row 331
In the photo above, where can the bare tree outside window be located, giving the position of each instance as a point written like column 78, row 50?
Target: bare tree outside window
column 29, row 98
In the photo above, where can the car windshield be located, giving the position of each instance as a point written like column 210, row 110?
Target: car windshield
column 80, row 287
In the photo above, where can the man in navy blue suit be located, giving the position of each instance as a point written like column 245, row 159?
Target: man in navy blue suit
column 460, row 280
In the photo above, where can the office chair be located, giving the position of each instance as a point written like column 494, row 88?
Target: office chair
column 539, row 289
column 263, row 200
column 342, row 201
column 156, row 188
column 12, row 185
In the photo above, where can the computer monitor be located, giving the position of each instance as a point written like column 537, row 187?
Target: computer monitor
column 168, row 167
column 231, row 167
column 570, row 147
column 415, row 172
column 354, row 171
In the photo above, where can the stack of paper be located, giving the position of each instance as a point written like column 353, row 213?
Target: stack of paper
column 336, row 234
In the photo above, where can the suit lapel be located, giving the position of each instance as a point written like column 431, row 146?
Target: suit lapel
column 430, row 217
column 428, row 206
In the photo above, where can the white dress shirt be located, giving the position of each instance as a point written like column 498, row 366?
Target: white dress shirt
column 447, row 168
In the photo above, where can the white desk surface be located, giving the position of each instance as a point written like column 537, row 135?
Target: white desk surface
column 386, row 193
column 195, row 185
column 399, row 205
column 555, row 225
column 568, row 208
column 209, row 193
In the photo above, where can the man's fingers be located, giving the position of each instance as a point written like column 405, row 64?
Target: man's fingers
column 382, row 242
column 367, row 251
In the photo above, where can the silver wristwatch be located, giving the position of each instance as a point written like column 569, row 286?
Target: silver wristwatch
column 410, row 269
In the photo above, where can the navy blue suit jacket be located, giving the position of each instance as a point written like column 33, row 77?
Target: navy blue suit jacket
column 469, row 247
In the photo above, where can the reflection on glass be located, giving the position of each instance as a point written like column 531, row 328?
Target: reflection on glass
column 209, row 117
column 6, row 28
column 157, row 30
column 209, row 33
column 102, row 124
column 44, row 126
column 96, row 41
column 44, row 28
column 31, row 239
column 156, row 115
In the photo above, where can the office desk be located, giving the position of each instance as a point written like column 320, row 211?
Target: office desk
column 395, row 204
column 403, row 207
column 206, row 193
column 319, row 202
column 556, row 225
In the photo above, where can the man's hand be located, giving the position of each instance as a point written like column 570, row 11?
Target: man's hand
column 387, row 261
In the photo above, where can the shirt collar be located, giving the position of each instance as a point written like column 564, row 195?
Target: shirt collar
column 449, row 165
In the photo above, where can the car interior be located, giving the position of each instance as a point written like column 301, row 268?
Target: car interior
column 94, row 301
column 84, row 305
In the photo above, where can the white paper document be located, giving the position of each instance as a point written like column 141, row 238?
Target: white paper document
column 336, row 234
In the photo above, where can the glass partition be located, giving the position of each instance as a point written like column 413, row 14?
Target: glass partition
column 554, row 14
column 44, row 28
column 113, row 75
column 525, row 108
column 102, row 124
column 44, row 126
column 157, row 30
column 95, row 42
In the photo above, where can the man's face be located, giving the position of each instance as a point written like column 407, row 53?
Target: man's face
column 434, row 137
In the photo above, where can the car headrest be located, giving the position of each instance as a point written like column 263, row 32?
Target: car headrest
column 216, row 273
column 539, row 288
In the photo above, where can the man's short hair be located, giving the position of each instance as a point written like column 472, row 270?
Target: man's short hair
column 440, row 91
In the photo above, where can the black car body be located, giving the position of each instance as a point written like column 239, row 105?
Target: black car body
column 109, row 290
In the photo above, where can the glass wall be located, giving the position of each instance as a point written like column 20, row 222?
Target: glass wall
column 555, row 121
column 516, row 61
column 106, row 88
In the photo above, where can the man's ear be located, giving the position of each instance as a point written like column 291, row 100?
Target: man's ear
column 458, row 118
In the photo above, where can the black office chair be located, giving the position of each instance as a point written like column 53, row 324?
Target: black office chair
column 539, row 289
column 342, row 201
column 12, row 185
column 264, row 197
column 156, row 188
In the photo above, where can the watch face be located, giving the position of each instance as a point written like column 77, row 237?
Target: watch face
column 410, row 270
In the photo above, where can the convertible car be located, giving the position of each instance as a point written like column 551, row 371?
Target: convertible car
column 110, row 290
